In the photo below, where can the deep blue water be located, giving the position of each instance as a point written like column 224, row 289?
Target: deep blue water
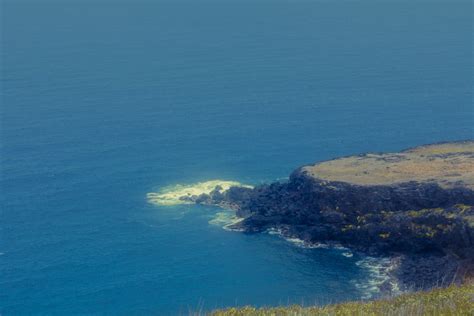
column 105, row 101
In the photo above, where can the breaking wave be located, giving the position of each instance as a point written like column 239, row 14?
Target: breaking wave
column 379, row 270
column 173, row 195
column 226, row 219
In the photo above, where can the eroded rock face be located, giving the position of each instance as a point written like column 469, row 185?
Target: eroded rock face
column 405, row 218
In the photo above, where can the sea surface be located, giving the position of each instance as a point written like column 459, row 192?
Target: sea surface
column 104, row 101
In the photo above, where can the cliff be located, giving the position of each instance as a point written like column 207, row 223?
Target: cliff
column 416, row 204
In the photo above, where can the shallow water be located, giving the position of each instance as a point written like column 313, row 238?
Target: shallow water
column 102, row 104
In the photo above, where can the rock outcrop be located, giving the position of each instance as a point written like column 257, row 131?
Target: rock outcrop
column 416, row 204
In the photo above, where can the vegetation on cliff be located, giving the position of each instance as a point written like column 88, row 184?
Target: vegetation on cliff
column 453, row 300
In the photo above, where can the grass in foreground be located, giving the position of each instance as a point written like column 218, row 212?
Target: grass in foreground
column 454, row 300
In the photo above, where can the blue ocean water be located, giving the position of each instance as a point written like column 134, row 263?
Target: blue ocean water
column 103, row 102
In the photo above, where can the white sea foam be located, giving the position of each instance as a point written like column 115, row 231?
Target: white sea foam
column 296, row 241
column 172, row 195
column 226, row 219
column 379, row 270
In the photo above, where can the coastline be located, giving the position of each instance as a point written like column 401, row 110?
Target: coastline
column 419, row 213
column 382, row 281
column 392, row 273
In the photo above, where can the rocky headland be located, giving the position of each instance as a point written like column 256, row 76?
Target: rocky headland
column 415, row 206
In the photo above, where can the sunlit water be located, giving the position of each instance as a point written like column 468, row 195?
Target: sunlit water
column 103, row 103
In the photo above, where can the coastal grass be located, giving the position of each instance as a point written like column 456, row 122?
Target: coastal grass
column 444, row 164
column 453, row 300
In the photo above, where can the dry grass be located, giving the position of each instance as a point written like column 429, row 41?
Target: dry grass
column 454, row 300
column 446, row 164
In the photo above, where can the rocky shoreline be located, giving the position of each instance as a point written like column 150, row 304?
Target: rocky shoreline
column 414, row 206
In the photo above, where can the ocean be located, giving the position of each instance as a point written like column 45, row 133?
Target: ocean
column 104, row 101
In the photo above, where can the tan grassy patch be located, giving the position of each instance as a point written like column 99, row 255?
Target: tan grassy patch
column 446, row 164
